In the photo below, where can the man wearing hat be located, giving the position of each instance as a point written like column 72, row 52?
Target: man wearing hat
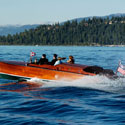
column 54, row 59
column 43, row 60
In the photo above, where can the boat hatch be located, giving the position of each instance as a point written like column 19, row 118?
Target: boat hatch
column 93, row 69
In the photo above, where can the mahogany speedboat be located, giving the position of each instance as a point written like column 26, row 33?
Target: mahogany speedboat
column 64, row 71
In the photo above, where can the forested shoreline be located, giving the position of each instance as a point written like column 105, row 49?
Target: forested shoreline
column 94, row 31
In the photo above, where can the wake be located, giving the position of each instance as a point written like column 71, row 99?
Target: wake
column 97, row 82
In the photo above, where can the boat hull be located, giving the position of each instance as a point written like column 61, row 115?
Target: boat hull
column 26, row 72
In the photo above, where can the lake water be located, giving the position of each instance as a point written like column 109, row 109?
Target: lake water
column 93, row 100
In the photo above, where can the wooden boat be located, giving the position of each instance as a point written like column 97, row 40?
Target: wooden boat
column 64, row 71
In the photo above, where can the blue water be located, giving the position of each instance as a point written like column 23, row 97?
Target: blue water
column 95, row 100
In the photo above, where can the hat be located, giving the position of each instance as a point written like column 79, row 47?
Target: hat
column 55, row 55
column 44, row 55
column 59, row 58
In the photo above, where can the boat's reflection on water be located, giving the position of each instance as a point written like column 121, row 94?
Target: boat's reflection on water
column 33, row 90
column 26, row 88
column 19, row 86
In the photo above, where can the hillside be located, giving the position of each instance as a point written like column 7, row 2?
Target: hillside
column 13, row 29
column 94, row 31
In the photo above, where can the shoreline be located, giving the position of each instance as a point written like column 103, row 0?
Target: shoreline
column 72, row 45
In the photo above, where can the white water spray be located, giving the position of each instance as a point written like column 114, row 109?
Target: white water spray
column 102, row 83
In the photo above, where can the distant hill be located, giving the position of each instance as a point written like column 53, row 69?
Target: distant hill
column 13, row 29
column 93, row 32
column 90, row 17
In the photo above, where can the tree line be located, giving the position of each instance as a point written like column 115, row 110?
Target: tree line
column 94, row 31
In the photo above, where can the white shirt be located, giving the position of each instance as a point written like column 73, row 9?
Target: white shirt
column 57, row 62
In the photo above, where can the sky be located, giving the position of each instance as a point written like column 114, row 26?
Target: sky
column 22, row 12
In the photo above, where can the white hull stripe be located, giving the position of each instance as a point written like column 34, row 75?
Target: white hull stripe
column 24, row 77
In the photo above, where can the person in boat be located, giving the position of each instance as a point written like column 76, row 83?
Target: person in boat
column 59, row 61
column 43, row 60
column 35, row 62
column 71, row 60
column 54, row 59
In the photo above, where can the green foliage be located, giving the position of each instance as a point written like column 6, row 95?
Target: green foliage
column 95, row 31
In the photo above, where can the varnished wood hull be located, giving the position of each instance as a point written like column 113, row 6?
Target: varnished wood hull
column 23, row 71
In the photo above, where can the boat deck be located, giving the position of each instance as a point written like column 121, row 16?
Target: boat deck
column 15, row 63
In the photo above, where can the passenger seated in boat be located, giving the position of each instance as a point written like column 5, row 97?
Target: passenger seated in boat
column 54, row 59
column 71, row 60
column 58, row 61
column 43, row 60
column 35, row 62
